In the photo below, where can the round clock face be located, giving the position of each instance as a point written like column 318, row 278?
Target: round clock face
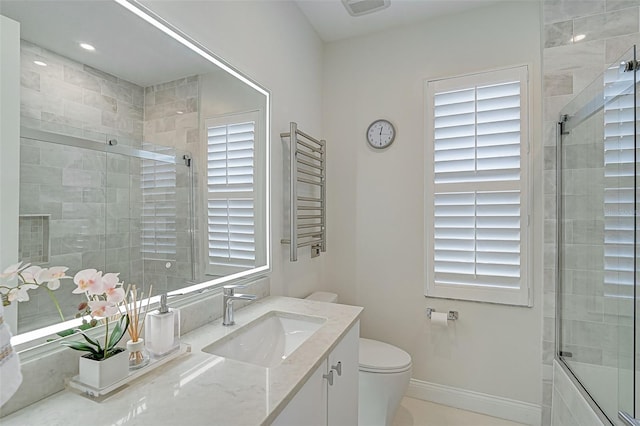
column 381, row 134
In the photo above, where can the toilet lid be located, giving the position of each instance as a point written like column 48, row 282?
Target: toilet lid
column 382, row 357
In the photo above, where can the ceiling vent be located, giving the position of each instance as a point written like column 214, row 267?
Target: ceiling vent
column 362, row 7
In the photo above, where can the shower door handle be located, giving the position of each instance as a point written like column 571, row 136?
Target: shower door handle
column 628, row 419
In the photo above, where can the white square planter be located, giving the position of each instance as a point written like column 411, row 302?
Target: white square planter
column 100, row 374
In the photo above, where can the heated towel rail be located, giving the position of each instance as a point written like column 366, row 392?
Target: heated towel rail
column 307, row 212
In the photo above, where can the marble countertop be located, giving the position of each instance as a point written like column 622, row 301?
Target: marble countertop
column 198, row 388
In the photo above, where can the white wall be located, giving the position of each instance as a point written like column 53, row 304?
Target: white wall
column 376, row 252
column 9, row 149
column 272, row 43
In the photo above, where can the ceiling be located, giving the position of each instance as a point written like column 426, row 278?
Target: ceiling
column 126, row 47
column 332, row 22
column 140, row 54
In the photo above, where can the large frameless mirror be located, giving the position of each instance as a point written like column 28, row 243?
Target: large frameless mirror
column 139, row 155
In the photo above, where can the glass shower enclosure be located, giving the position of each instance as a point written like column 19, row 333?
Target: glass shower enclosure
column 107, row 203
column 597, row 324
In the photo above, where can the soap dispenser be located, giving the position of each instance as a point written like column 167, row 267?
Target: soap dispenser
column 162, row 333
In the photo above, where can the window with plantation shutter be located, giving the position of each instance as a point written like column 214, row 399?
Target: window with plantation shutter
column 158, row 227
column 619, row 183
column 231, row 193
column 477, row 194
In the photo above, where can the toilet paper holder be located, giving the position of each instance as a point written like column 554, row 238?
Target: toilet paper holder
column 451, row 315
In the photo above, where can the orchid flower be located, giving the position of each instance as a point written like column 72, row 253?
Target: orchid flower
column 52, row 276
column 13, row 270
column 30, row 277
column 114, row 293
column 88, row 281
column 19, row 294
column 103, row 309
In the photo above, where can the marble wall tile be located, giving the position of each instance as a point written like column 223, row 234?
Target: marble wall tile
column 99, row 73
column 561, row 10
column 99, row 101
column 558, row 34
column 606, row 25
column 81, row 79
column 558, row 84
column 612, row 5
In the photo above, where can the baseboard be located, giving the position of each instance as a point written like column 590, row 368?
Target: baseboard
column 496, row 406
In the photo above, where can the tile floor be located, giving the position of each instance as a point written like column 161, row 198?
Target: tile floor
column 415, row 412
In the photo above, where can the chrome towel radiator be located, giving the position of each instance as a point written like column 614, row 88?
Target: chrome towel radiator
column 307, row 214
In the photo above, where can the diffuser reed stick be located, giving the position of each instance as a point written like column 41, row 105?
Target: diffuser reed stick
column 135, row 310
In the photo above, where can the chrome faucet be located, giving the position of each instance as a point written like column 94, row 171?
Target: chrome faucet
column 229, row 295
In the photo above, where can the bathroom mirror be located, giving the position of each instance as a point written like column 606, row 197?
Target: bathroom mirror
column 138, row 154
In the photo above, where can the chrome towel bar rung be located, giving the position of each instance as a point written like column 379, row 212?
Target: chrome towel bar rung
column 306, row 163
column 310, row 225
column 309, row 156
column 310, row 199
column 308, row 173
column 310, row 182
column 309, row 216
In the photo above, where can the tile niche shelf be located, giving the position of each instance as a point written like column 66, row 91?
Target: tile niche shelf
column 34, row 243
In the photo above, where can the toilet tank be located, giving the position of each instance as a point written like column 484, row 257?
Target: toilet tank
column 323, row 296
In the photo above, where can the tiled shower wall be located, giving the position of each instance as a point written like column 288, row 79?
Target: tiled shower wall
column 611, row 27
column 95, row 200
column 85, row 192
column 171, row 120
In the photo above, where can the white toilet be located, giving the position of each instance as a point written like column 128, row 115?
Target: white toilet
column 384, row 376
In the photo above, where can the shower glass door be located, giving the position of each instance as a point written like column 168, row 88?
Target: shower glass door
column 107, row 203
column 597, row 239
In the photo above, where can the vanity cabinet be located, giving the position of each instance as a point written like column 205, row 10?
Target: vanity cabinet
column 330, row 395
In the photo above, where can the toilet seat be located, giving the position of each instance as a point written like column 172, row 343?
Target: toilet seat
column 380, row 357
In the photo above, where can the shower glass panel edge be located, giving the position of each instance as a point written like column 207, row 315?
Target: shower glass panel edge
column 596, row 240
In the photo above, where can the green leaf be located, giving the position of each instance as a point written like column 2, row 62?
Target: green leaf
column 80, row 346
column 89, row 339
column 118, row 332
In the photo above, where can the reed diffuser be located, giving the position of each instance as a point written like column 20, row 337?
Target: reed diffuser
column 138, row 354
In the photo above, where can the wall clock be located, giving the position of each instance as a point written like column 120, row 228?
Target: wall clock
column 381, row 134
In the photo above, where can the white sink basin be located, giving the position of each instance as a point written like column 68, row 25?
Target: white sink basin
column 268, row 340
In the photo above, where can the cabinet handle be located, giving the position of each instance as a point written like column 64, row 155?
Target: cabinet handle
column 338, row 368
column 329, row 377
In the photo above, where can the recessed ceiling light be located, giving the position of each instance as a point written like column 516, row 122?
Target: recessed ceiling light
column 40, row 63
column 87, row 46
column 179, row 112
column 579, row 37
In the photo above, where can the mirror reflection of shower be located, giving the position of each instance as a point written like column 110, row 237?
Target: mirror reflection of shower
column 115, row 167
column 104, row 206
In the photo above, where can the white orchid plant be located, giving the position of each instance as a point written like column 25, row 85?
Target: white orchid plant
column 19, row 279
column 104, row 295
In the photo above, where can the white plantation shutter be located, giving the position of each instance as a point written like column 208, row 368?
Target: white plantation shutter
column 158, row 182
column 476, row 199
column 619, row 172
column 231, row 193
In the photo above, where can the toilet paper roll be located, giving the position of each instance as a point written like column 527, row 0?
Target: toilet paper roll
column 439, row 318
